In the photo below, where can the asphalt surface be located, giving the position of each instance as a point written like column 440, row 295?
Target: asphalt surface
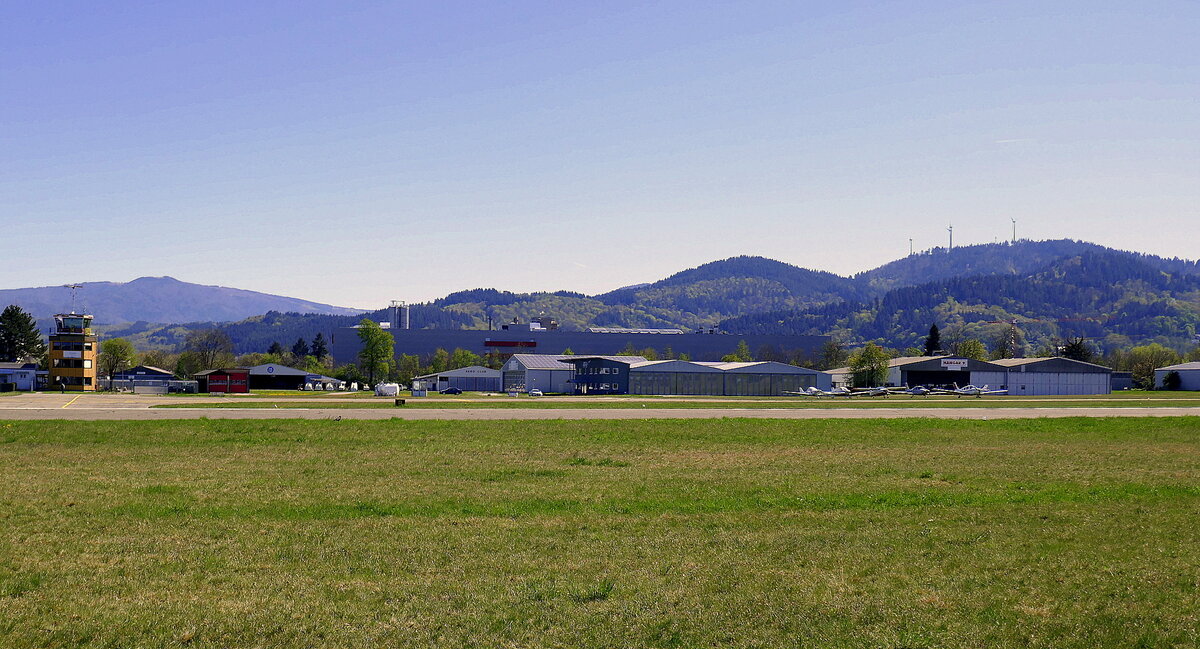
column 86, row 407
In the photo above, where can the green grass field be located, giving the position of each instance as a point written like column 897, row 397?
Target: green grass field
column 722, row 533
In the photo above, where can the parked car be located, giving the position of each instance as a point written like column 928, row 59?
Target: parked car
column 452, row 391
column 535, row 393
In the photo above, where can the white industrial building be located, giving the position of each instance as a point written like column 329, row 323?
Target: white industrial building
column 1189, row 375
column 1051, row 376
column 18, row 376
column 1020, row 376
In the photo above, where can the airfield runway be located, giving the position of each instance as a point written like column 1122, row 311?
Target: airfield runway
column 96, row 407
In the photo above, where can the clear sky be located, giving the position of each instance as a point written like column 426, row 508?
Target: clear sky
column 353, row 153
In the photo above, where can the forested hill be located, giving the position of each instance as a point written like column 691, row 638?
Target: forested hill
column 1142, row 298
column 1111, row 297
column 1018, row 258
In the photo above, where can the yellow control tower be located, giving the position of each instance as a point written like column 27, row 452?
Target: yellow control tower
column 73, row 351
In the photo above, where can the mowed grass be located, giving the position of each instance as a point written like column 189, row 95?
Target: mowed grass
column 730, row 533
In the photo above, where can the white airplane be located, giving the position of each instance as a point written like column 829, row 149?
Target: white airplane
column 817, row 392
column 876, row 392
column 919, row 391
column 973, row 391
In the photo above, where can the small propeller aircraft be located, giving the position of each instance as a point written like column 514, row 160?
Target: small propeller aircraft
column 817, row 392
column 974, row 391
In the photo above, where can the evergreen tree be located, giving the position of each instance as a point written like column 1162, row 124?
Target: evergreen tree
column 300, row 348
column 19, row 337
column 319, row 348
column 1077, row 349
column 933, row 342
column 275, row 350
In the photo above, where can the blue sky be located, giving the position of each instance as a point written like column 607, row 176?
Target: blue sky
column 354, row 153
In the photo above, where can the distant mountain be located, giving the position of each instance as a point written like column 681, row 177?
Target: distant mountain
column 1054, row 288
column 159, row 299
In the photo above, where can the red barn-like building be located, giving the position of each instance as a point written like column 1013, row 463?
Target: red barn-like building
column 234, row 380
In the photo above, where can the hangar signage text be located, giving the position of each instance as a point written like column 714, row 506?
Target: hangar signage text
column 955, row 364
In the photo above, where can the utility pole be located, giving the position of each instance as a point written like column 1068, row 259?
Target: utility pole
column 951, row 231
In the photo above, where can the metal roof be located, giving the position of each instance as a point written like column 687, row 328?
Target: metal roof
column 222, row 369
column 275, row 369
column 906, row 360
column 471, row 370
column 1195, row 365
column 677, row 366
column 555, row 362
column 133, row 370
column 1017, row 362
column 626, row 330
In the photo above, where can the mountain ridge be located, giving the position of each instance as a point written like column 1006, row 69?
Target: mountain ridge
column 1155, row 298
column 159, row 299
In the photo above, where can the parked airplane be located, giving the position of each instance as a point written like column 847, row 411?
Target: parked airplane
column 973, row 391
column 817, row 392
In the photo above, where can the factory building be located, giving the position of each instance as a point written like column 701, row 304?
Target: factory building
column 468, row 379
column 545, row 372
column 1189, row 376
column 544, row 337
column 611, row 375
column 1020, row 376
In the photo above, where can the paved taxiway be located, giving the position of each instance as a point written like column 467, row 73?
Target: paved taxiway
column 52, row 406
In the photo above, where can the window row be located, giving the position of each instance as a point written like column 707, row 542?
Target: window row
column 71, row 347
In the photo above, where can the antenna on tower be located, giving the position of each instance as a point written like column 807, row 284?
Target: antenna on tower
column 951, row 231
column 910, row 248
column 1014, row 222
column 73, row 287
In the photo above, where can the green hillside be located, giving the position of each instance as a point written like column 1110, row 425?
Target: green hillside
column 1055, row 289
